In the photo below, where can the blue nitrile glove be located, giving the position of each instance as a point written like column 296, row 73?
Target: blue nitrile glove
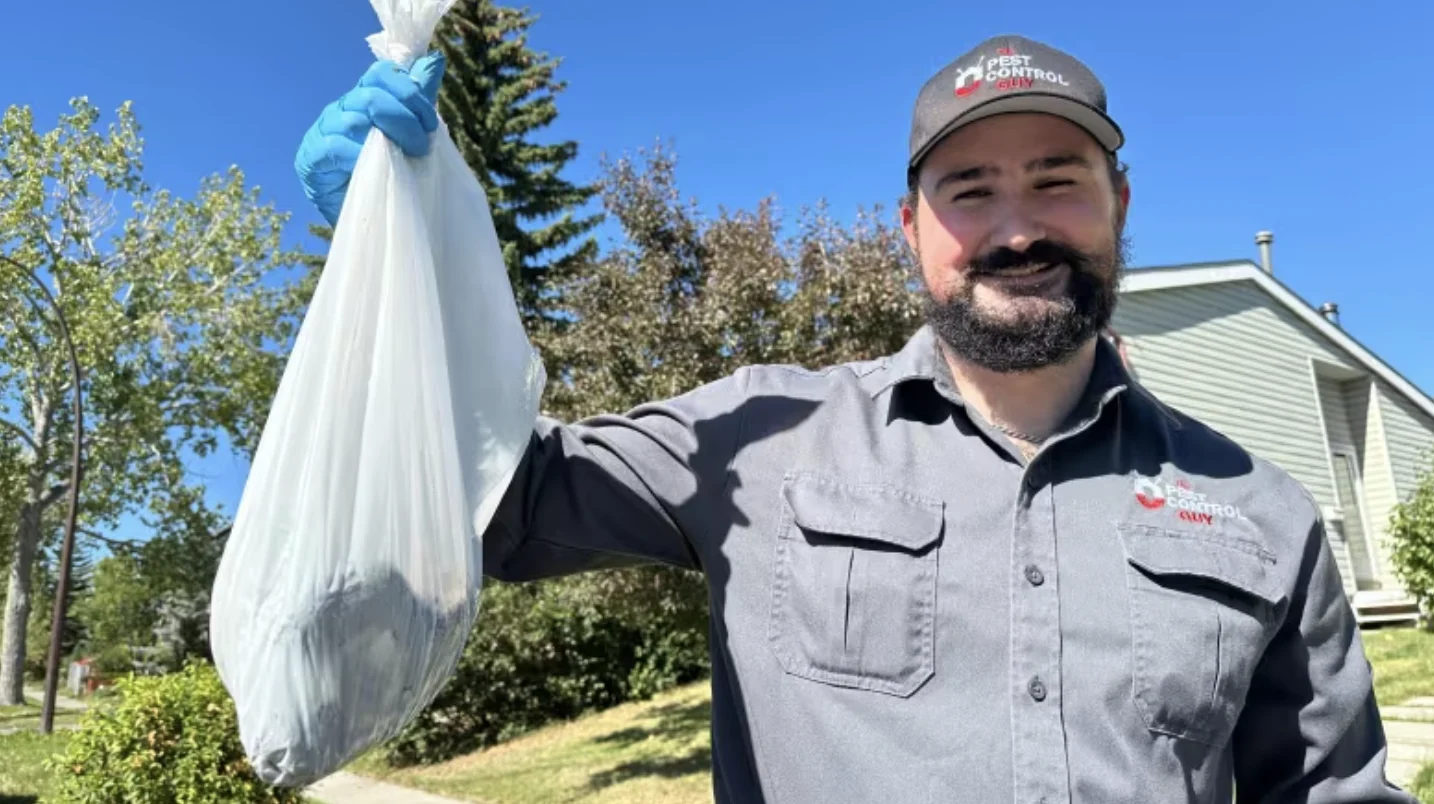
column 400, row 103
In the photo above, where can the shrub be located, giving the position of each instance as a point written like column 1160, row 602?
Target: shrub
column 554, row 650
column 166, row 740
column 1411, row 531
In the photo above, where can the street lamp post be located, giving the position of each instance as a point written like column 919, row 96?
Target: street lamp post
column 62, row 594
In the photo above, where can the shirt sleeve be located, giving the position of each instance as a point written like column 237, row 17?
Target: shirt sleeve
column 617, row 490
column 1311, row 730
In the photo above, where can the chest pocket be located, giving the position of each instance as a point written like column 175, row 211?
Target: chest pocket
column 1201, row 613
column 854, row 584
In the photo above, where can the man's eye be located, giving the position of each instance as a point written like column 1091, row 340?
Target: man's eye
column 969, row 195
column 1049, row 183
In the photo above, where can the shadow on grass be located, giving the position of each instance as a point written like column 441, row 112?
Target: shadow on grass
column 9, row 799
column 674, row 722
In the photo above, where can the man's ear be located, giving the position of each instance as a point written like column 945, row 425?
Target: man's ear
column 1123, row 209
column 908, row 225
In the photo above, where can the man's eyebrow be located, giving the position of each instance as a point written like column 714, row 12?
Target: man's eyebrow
column 1052, row 162
column 1057, row 161
column 965, row 174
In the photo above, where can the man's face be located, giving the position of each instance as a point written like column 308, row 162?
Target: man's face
column 1018, row 231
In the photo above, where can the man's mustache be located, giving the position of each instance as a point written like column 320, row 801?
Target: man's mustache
column 1039, row 253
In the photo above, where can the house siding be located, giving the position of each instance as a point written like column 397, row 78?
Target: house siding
column 1380, row 492
column 1230, row 357
column 1233, row 358
column 1238, row 360
column 1410, row 434
column 1334, row 405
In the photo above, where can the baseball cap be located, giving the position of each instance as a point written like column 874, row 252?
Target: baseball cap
column 1006, row 74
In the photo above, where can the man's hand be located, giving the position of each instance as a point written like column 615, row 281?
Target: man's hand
column 399, row 102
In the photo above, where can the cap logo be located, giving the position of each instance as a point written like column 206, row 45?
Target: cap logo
column 1005, row 71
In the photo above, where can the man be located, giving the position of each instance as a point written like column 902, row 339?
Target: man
column 950, row 575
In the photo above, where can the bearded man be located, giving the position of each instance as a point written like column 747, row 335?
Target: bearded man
column 948, row 575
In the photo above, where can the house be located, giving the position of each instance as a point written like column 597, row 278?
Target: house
column 1231, row 345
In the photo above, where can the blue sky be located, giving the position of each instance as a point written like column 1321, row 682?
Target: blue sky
column 1302, row 118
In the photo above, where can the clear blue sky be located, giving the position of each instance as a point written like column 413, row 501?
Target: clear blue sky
column 1309, row 119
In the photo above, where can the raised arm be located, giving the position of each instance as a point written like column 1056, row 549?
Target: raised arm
column 618, row 490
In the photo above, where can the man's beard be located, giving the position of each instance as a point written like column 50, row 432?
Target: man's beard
column 1028, row 341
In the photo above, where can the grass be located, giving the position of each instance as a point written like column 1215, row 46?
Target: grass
column 28, row 717
column 1423, row 786
column 639, row 753
column 23, row 777
column 1403, row 660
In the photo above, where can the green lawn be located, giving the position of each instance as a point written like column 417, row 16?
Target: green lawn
column 1423, row 786
column 23, row 778
column 644, row 753
column 1403, row 660
column 28, row 717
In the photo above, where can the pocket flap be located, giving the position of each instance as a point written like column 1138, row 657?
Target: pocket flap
column 1236, row 563
column 865, row 511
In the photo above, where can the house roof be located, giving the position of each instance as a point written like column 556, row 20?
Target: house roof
column 1142, row 280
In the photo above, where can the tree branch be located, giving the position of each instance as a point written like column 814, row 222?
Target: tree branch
column 23, row 433
column 52, row 494
column 107, row 540
column 25, row 336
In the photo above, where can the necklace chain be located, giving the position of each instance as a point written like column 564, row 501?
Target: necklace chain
column 1017, row 434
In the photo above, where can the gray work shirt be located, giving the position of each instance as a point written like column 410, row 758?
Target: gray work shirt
column 905, row 611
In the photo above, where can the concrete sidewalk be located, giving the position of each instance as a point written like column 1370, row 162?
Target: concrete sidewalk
column 62, row 701
column 1409, row 728
column 346, row 788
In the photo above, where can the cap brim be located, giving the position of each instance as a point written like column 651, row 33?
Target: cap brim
column 1094, row 121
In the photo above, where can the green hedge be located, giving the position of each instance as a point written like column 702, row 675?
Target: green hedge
column 170, row 739
column 556, row 649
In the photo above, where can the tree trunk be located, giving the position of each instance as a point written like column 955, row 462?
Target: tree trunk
column 17, row 608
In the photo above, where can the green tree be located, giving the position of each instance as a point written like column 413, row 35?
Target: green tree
column 121, row 609
column 44, row 584
column 686, row 300
column 497, row 93
column 179, row 316
column 1411, row 532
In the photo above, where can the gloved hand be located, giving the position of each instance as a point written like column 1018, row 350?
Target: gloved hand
column 400, row 103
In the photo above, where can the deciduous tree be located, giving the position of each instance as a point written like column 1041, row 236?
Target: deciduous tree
column 181, row 315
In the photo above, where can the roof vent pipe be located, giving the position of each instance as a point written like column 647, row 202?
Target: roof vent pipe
column 1263, row 240
column 1330, row 311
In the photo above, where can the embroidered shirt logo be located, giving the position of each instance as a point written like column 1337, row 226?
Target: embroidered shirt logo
column 1149, row 493
column 1182, row 498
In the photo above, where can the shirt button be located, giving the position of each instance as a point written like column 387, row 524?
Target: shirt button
column 1037, row 690
column 1034, row 575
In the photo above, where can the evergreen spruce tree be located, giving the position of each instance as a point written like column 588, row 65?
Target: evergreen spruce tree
column 496, row 93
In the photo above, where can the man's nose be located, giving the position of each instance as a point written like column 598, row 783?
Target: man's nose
column 1016, row 228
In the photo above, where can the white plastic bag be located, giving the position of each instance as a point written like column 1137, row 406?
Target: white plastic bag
column 350, row 580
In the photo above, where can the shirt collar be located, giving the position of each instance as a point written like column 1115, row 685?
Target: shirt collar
column 921, row 360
